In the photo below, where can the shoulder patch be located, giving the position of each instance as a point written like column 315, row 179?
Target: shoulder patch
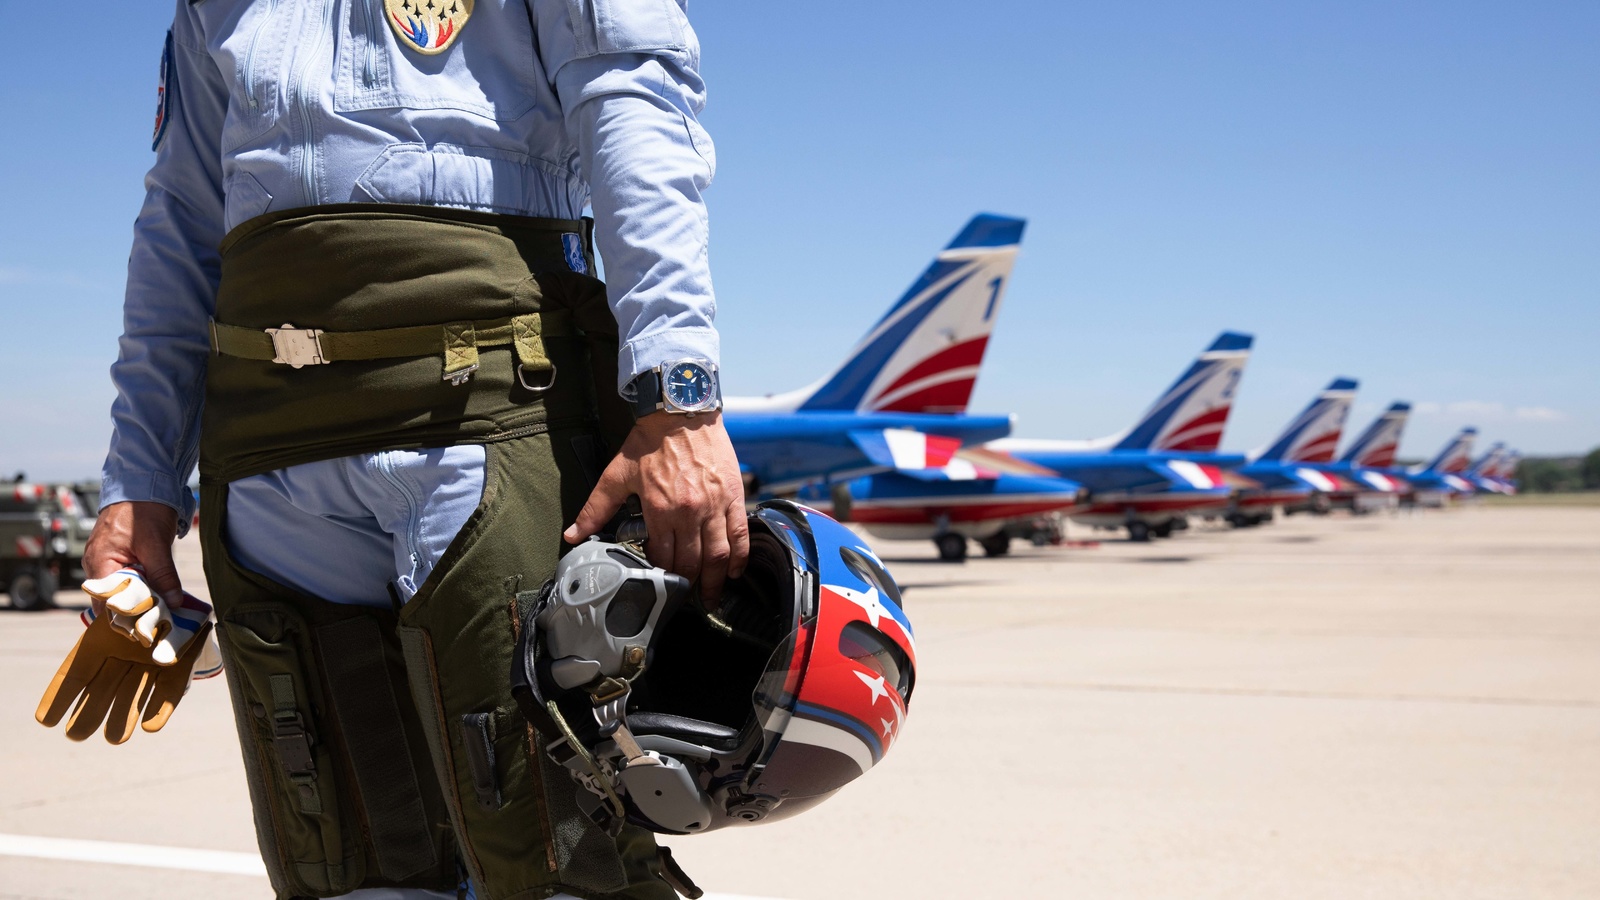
column 165, row 86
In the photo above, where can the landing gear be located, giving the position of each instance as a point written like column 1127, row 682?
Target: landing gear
column 1164, row 530
column 997, row 544
column 1138, row 532
column 33, row 589
column 952, row 547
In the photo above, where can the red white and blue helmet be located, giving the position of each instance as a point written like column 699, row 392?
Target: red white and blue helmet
column 684, row 720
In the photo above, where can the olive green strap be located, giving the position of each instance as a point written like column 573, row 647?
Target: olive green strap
column 457, row 342
column 293, row 743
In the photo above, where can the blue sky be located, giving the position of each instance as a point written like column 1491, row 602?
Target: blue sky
column 1408, row 194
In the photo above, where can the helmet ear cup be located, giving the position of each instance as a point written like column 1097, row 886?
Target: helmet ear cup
column 629, row 610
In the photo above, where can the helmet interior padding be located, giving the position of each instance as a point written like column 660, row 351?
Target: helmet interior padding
column 702, row 672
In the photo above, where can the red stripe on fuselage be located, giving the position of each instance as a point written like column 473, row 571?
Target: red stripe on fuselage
column 920, row 515
column 1149, row 506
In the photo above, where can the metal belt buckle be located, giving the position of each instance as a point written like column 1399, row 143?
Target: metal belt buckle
column 296, row 347
column 457, row 379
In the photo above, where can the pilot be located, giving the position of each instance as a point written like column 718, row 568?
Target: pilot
column 362, row 296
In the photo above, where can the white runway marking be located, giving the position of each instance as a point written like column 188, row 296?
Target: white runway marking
column 120, row 854
column 157, row 857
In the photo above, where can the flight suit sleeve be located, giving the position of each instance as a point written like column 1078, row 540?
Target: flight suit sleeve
column 627, row 75
column 173, row 272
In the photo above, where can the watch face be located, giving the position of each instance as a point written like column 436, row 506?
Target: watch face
column 688, row 386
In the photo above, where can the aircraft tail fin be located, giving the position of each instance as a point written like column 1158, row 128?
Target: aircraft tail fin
column 1507, row 470
column 1456, row 455
column 1489, row 463
column 1313, row 435
column 1377, row 446
column 923, row 356
column 1192, row 413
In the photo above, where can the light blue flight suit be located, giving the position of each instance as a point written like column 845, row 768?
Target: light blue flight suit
column 538, row 108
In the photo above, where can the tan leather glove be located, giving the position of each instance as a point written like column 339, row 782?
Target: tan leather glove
column 109, row 678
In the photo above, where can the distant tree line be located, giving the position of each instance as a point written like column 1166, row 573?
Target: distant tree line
column 1551, row 474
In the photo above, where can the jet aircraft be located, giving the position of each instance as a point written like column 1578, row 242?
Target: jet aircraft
column 978, row 496
column 1149, row 478
column 899, row 400
column 1367, row 465
column 1435, row 483
column 1484, row 475
column 1290, row 470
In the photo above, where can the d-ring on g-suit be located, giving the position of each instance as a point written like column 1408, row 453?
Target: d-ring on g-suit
column 362, row 296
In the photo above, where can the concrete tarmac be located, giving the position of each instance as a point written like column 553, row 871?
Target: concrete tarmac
column 1395, row 706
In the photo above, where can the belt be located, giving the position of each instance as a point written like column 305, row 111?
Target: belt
column 457, row 342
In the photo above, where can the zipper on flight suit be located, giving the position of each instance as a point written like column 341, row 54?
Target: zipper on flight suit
column 297, row 90
column 250, row 55
column 413, row 517
column 369, row 67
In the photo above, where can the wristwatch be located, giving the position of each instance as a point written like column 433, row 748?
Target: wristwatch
column 682, row 387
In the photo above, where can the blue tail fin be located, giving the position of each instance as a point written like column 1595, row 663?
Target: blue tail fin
column 924, row 354
column 1456, row 454
column 1192, row 413
column 1313, row 435
column 1377, row 446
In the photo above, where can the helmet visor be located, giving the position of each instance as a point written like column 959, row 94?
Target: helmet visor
column 779, row 685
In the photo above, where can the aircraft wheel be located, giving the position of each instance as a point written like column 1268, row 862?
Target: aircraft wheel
column 1164, row 530
column 32, row 590
column 998, row 544
column 1138, row 532
column 952, row 547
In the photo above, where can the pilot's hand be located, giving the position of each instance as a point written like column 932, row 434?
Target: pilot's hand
column 687, row 478
column 134, row 534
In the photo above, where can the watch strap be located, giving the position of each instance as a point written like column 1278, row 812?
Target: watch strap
column 646, row 397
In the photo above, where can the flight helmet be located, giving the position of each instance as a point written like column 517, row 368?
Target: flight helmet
column 684, row 719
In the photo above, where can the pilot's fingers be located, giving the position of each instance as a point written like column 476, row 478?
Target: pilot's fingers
column 607, row 497
column 738, row 528
column 661, row 549
column 687, row 522
column 160, row 573
column 714, row 555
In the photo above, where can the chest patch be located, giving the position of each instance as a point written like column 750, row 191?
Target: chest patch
column 428, row 26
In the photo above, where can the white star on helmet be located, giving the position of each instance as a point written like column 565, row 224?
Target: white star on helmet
column 869, row 602
column 875, row 685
